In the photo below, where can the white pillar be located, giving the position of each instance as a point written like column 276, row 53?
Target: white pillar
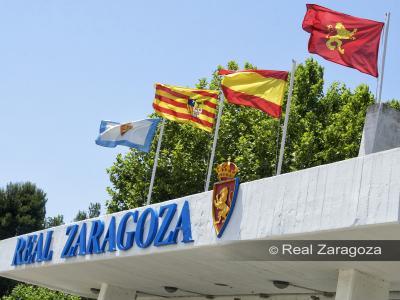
column 112, row 292
column 354, row 285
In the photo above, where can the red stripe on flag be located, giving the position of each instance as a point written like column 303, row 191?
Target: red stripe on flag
column 225, row 72
column 283, row 75
column 171, row 101
column 206, row 94
column 182, row 115
column 183, row 105
column 239, row 98
column 177, row 94
column 170, row 91
column 210, row 104
column 207, row 113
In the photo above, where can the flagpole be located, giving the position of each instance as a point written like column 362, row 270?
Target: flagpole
column 220, row 107
column 153, row 174
column 387, row 21
column 285, row 125
column 379, row 61
column 278, row 133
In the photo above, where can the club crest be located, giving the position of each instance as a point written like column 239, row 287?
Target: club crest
column 124, row 128
column 194, row 108
column 224, row 196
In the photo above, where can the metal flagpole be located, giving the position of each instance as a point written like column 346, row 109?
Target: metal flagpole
column 153, row 174
column 382, row 70
column 221, row 105
column 289, row 100
column 387, row 21
column 379, row 61
column 278, row 133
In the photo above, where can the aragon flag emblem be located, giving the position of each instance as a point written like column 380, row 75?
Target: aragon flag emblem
column 343, row 39
column 224, row 196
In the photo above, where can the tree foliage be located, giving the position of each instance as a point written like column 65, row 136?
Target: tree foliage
column 93, row 212
column 54, row 221
column 29, row 292
column 80, row 216
column 22, row 210
column 323, row 128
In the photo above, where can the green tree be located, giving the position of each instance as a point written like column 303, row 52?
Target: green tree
column 323, row 128
column 22, row 210
column 93, row 212
column 54, row 221
column 80, row 216
column 29, row 292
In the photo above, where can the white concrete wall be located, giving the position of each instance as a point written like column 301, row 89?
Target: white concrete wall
column 381, row 129
column 355, row 192
column 354, row 285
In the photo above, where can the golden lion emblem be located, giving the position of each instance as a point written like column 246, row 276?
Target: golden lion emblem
column 220, row 203
column 335, row 41
column 224, row 196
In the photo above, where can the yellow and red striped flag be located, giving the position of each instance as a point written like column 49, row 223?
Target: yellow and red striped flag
column 194, row 106
column 261, row 89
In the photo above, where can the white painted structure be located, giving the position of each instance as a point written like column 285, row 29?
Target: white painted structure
column 354, row 199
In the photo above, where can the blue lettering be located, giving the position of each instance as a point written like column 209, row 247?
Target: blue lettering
column 70, row 232
column 130, row 236
column 152, row 228
column 110, row 237
column 80, row 243
column 27, row 257
column 30, row 249
column 37, row 254
column 37, row 247
column 94, row 237
column 47, row 253
column 183, row 225
column 19, row 249
column 159, row 239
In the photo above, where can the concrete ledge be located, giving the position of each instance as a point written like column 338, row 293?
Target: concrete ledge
column 356, row 192
column 349, row 199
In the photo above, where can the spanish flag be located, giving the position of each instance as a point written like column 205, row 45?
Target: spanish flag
column 194, row 106
column 261, row 89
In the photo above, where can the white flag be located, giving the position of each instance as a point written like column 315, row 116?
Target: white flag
column 138, row 134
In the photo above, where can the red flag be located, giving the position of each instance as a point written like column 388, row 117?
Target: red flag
column 343, row 39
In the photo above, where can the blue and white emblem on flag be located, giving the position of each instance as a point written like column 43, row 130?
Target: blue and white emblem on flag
column 138, row 134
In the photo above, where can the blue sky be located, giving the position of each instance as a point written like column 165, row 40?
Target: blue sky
column 66, row 65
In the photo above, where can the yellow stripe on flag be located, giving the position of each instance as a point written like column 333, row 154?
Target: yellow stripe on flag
column 183, row 121
column 184, row 101
column 267, row 88
column 193, row 106
column 183, row 111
